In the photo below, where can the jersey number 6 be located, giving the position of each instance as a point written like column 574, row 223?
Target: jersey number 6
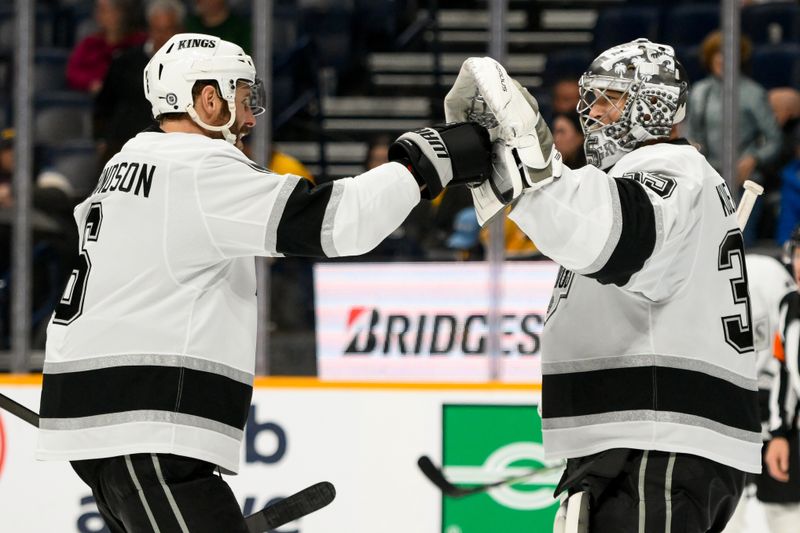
column 70, row 306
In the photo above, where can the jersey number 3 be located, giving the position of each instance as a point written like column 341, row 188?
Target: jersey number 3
column 738, row 329
column 70, row 306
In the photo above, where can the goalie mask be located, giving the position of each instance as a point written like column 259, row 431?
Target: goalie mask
column 642, row 83
column 190, row 57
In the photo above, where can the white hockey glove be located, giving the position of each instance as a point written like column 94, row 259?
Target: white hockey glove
column 446, row 154
column 523, row 152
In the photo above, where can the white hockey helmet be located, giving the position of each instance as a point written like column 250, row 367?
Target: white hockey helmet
column 656, row 87
column 190, row 57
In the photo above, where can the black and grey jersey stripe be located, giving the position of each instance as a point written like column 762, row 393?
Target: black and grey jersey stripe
column 110, row 395
column 638, row 392
column 305, row 223
column 633, row 235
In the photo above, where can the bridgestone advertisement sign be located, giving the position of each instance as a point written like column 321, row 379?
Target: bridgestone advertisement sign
column 428, row 321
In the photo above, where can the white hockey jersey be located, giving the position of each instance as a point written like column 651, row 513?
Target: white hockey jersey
column 648, row 339
column 152, row 346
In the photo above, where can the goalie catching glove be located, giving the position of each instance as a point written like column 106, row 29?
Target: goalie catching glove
column 443, row 155
column 523, row 151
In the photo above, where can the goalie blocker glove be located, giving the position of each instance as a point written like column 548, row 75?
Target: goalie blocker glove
column 457, row 153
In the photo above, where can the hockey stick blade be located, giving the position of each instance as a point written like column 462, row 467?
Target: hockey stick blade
column 289, row 509
column 19, row 410
column 436, row 476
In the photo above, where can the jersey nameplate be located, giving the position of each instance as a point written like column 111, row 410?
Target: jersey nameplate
column 131, row 177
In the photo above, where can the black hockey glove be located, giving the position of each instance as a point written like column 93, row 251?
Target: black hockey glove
column 459, row 153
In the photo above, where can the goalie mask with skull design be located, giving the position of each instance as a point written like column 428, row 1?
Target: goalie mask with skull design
column 645, row 84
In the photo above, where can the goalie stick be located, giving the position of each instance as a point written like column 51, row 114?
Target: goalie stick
column 436, row 476
column 752, row 191
column 289, row 509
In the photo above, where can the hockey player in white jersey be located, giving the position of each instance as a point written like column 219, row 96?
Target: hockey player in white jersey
column 151, row 351
column 649, row 383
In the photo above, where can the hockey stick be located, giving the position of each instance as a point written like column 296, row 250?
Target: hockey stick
column 19, row 410
column 296, row 506
column 436, row 476
column 752, row 191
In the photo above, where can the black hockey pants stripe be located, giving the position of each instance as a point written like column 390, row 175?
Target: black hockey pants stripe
column 635, row 491
column 161, row 493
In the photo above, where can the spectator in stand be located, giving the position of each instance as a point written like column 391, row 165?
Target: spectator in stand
column 118, row 21
column 565, row 95
column 785, row 103
column 789, row 211
column 464, row 241
column 54, row 232
column 377, row 151
column 759, row 135
column 215, row 17
column 120, row 108
column 568, row 138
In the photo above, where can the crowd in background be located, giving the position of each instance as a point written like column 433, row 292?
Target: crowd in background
column 108, row 51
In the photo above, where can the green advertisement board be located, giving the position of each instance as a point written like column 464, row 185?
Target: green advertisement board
column 486, row 443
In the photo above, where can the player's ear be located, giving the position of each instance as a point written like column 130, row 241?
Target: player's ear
column 208, row 101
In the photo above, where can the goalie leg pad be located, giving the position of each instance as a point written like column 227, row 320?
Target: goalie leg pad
column 573, row 514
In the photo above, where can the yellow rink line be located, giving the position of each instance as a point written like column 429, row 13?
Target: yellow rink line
column 280, row 382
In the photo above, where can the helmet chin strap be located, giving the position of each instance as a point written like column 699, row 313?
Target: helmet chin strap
column 224, row 129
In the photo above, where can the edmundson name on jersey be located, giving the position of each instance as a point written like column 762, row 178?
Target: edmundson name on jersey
column 130, row 177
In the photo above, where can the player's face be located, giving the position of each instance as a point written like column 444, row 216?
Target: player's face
column 245, row 120
column 608, row 108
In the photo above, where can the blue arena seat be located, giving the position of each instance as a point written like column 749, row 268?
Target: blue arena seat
column 50, row 65
column 776, row 65
column 567, row 63
column 77, row 161
column 331, row 31
column 617, row 25
column 62, row 116
column 772, row 23
column 689, row 56
column 688, row 24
